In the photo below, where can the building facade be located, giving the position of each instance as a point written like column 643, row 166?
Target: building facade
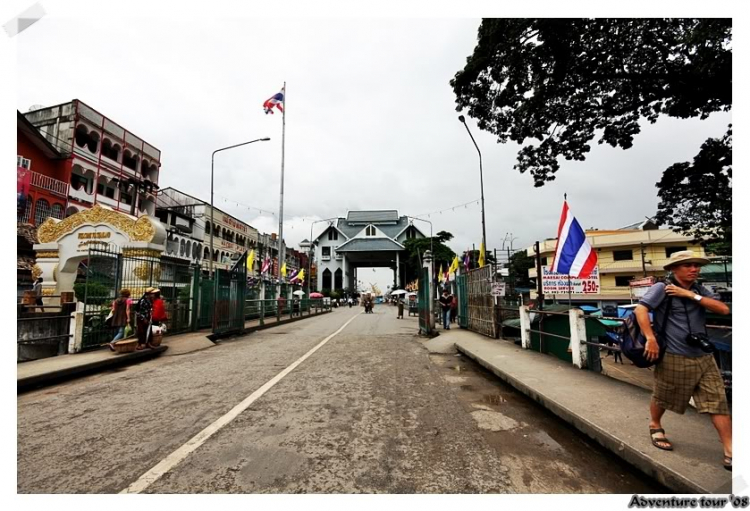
column 362, row 239
column 104, row 163
column 624, row 255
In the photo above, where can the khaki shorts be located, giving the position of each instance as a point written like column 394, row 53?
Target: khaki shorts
column 678, row 378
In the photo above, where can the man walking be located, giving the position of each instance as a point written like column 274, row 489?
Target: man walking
column 37, row 289
column 688, row 368
column 445, row 305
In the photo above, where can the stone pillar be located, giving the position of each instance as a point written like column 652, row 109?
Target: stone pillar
column 578, row 338
column 525, row 327
column 47, row 265
column 398, row 272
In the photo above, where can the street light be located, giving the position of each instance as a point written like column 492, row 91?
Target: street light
column 213, row 226
column 481, row 179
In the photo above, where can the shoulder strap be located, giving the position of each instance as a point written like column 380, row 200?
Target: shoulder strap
column 667, row 310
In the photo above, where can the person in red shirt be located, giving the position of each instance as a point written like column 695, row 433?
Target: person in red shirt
column 159, row 312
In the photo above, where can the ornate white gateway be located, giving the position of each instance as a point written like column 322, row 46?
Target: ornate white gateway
column 63, row 244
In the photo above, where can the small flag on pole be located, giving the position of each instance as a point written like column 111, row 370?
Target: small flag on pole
column 283, row 270
column 277, row 100
column 301, row 275
column 266, row 265
column 573, row 253
column 481, row 255
column 454, row 265
column 251, row 261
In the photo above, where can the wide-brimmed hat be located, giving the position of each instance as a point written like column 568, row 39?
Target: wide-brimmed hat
column 152, row 290
column 685, row 256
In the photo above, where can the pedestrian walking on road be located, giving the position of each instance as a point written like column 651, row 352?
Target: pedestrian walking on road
column 454, row 308
column 400, row 308
column 120, row 316
column 143, row 310
column 445, row 305
column 159, row 313
column 688, row 368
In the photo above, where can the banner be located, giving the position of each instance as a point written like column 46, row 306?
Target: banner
column 557, row 283
column 23, row 187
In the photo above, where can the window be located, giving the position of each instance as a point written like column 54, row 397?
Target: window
column 623, row 280
column 129, row 160
column 623, row 255
column 23, row 162
column 43, row 211
column 326, row 251
column 333, row 235
column 544, row 261
column 671, row 250
column 58, row 211
column 370, row 231
column 411, row 233
column 26, row 217
column 326, row 279
column 79, row 183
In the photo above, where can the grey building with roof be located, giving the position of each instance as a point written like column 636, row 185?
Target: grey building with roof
column 363, row 239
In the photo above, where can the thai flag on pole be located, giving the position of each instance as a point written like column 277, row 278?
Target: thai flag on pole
column 277, row 100
column 573, row 254
column 266, row 265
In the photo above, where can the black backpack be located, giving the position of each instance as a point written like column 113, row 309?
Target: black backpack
column 633, row 342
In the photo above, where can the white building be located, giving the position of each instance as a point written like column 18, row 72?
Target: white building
column 363, row 239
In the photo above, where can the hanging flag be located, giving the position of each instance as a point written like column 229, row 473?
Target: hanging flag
column 481, row 255
column 283, row 270
column 454, row 265
column 467, row 261
column 251, row 261
column 277, row 100
column 573, row 253
column 440, row 273
column 266, row 265
column 301, row 275
column 293, row 276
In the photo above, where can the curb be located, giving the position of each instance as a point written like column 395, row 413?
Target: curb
column 41, row 380
column 664, row 475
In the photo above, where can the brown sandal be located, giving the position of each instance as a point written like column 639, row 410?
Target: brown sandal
column 666, row 445
column 728, row 463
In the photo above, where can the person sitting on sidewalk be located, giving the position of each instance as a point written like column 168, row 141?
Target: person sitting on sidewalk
column 688, row 368
column 159, row 313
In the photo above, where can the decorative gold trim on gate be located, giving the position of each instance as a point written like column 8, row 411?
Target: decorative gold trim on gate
column 142, row 271
column 47, row 254
column 48, row 292
column 137, row 230
column 141, row 252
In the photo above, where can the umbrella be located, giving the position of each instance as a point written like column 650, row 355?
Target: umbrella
column 316, row 295
column 299, row 292
column 398, row 292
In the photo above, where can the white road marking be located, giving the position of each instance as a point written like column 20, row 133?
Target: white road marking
column 168, row 463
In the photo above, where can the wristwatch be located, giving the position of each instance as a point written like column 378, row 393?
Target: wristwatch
column 697, row 297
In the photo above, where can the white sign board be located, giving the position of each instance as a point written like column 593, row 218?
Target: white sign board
column 498, row 289
column 559, row 284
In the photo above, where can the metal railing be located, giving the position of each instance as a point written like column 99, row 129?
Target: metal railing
column 265, row 308
column 49, row 183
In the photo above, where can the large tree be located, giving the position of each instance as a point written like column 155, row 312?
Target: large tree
column 416, row 247
column 563, row 82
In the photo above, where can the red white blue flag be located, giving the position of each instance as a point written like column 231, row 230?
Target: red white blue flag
column 277, row 100
column 573, row 253
column 266, row 265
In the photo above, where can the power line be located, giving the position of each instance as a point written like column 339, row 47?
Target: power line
column 453, row 208
column 246, row 206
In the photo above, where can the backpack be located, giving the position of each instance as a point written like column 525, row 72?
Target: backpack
column 633, row 342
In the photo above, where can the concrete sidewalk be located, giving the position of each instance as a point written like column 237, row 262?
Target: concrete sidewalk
column 612, row 412
column 47, row 371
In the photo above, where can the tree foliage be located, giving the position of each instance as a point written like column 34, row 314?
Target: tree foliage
column 561, row 81
column 416, row 247
column 696, row 197
column 518, row 269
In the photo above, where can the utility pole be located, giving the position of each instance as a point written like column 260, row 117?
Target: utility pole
column 539, row 293
column 643, row 259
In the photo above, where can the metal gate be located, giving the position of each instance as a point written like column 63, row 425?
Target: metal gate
column 424, row 302
column 463, row 302
column 229, row 304
column 108, row 271
column 205, row 291
column 480, row 302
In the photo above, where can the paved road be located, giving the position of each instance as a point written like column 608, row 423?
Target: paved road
column 372, row 411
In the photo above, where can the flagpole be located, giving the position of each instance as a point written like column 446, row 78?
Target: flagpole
column 281, row 198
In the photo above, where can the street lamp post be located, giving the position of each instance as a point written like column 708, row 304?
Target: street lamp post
column 481, row 179
column 213, row 226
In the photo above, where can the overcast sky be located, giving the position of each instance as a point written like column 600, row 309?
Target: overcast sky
column 371, row 122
